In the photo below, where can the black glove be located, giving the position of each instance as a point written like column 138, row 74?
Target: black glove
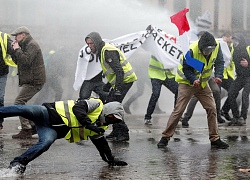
column 95, row 128
column 117, row 162
column 105, row 152
column 106, row 87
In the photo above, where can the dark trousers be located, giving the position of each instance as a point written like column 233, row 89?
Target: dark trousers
column 226, row 83
column 237, row 85
column 171, row 84
column 125, row 88
column 88, row 86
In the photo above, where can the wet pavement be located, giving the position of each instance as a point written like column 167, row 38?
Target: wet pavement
column 187, row 156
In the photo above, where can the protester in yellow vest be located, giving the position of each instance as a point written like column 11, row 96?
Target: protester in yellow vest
column 215, row 88
column 159, row 76
column 119, row 74
column 6, row 51
column 74, row 121
column 193, row 82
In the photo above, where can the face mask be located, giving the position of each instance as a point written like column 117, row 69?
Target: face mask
column 208, row 50
column 235, row 42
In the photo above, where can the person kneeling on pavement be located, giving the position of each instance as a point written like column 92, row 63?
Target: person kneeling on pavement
column 74, row 121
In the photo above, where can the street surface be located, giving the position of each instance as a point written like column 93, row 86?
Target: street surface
column 187, row 156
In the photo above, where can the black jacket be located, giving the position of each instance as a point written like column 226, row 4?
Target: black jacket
column 239, row 53
column 80, row 110
column 111, row 57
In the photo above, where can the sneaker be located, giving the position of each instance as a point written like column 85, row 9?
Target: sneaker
column 219, row 144
column 147, row 121
column 235, row 122
column 17, row 168
column 23, row 134
column 220, row 119
column 242, row 121
column 226, row 115
column 163, row 142
column 184, row 123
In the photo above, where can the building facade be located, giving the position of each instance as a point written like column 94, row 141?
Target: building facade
column 227, row 15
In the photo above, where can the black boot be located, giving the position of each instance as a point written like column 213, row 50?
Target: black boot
column 122, row 132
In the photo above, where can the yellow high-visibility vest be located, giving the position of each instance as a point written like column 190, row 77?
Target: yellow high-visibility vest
column 156, row 70
column 4, row 45
column 229, row 71
column 207, row 70
column 129, row 74
column 77, row 131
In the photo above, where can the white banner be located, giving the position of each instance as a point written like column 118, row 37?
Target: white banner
column 154, row 41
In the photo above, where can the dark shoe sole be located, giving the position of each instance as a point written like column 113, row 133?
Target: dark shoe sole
column 220, row 147
column 185, row 126
column 161, row 145
column 235, row 124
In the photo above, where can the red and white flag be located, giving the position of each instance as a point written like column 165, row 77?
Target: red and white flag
column 180, row 20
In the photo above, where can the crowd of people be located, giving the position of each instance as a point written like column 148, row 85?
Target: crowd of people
column 106, row 71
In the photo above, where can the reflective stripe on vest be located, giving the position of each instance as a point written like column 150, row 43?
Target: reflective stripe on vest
column 129, row 75
column 4, row 43
column 229, row 71
column 207, row 70
column 156, row 70
column 77, row 131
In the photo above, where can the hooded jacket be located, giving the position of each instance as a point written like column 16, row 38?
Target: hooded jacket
column 111, row 57
column 240, row 52
column 29, row 59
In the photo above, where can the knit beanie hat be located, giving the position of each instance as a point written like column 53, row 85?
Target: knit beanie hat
column 206, row 40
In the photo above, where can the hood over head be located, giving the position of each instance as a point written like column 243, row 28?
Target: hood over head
column 116, row 109
column 240, row 38
column 97, row 39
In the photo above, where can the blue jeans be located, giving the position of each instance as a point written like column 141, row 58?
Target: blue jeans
column 39, row 115
column 3, row 80
column 171, row 84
